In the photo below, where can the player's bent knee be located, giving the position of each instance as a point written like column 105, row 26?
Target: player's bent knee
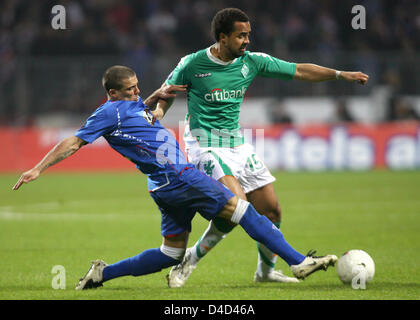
column 223, row 225
column 178, row 241
column 229, row 208
column 234, row 210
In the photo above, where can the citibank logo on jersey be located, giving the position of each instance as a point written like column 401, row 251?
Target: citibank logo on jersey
column 218, row 94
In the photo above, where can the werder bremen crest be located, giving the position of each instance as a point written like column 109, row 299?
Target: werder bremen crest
column 208, row 167
column 244, row 70
column 148, row 117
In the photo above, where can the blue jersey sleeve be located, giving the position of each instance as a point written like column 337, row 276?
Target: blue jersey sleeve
column 98, row 124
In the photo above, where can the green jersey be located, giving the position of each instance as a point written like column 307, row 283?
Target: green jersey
column 216, row 90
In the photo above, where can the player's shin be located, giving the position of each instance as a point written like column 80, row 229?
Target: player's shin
column 266, row 259
column 216, row 231
column 263, row 230
column 149, row 261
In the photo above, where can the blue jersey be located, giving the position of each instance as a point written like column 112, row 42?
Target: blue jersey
column 177, row 187
column 128, row 128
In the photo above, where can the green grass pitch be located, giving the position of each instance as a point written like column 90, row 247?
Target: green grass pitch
column 71, row 219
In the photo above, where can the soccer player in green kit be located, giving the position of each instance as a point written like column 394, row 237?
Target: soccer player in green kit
column 217, row 79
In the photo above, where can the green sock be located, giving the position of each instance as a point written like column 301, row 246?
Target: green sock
column 216, row 231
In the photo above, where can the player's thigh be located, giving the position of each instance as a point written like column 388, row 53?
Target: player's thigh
column 227, row 211
column 233, row 185
column 265, row 201
column 175, row 217
column 219, row 166
column 210, row 163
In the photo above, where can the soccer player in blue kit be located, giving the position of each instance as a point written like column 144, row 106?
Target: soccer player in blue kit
column 177, row 187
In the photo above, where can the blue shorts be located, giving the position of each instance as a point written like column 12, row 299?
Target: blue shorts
column 187, row 193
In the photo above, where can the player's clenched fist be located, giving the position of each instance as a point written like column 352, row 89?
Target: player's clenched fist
column 169, row 91
column 360, row 77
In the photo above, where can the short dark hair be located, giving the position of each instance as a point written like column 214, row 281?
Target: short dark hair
column 224, row 20
column 114, row 75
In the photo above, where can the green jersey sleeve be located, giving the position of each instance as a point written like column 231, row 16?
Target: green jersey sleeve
column 271, row 67
column 179, row 76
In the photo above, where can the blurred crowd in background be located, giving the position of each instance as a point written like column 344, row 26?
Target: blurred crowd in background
column 152, row 35
column 158, row 26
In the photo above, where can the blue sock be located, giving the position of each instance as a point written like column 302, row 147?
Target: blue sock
column 263, row 230
column 149, row 261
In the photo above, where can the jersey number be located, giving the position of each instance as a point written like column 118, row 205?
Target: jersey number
column 254, row 163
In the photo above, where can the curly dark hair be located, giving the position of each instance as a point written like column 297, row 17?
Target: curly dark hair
column 224, row 20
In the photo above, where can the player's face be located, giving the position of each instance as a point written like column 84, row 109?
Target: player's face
column 129, row 90
column 238, row 40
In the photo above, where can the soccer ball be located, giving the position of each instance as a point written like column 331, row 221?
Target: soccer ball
column 355, row 265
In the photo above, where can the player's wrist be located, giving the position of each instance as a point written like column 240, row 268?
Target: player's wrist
column 157, row 113
column 36, row 171
column 338, row 74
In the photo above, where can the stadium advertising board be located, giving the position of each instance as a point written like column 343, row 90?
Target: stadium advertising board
column 311, row 148
column 349, row 147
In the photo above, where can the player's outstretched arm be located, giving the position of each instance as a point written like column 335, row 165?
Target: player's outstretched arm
column 61, row 150
column 315, row 73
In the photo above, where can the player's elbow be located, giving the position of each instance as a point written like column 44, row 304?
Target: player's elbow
column 302, row 72
column 74, row 143
column 299, row 73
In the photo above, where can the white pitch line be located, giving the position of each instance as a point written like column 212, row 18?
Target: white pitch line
column 356, row 203
column 15, row 213
column 9, row 215
column 36, row 211
column 58, row 204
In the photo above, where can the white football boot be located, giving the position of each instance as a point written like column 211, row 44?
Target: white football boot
column 93, row 277
column 274, row 276
column 312, row 264
column 180, row 273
